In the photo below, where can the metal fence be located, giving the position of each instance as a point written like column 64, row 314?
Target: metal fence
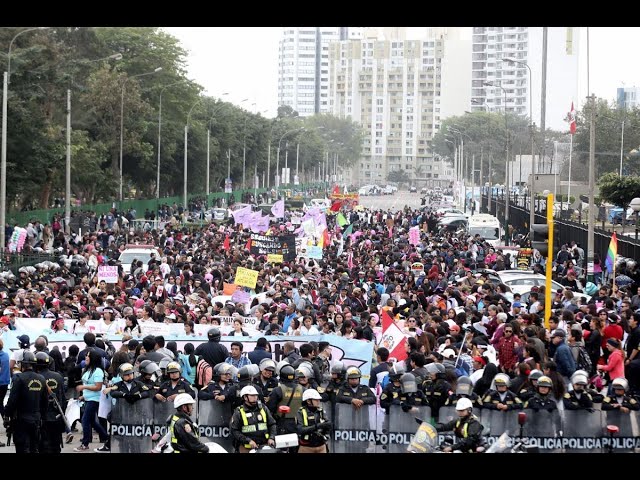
column 14, row 261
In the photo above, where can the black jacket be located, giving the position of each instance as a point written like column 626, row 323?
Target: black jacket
column 213, row 352
column 28, row 400
column 312, row 426
column 137, row 391
column 468, row 432
column 185, row 437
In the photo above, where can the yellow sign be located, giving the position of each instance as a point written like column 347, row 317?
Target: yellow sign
column 246, row 277
column 274, row 258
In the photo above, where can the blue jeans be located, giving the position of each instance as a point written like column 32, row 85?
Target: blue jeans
column 90, row 419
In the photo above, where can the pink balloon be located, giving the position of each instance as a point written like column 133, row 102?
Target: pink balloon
column 373, row 232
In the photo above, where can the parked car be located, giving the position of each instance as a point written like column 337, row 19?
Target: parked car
column 413, row 189
column 137, row 252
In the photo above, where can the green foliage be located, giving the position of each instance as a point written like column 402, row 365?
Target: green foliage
column 398, row 176
column 619, row 190
column 46, row 63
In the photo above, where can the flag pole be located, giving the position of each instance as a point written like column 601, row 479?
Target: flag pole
column 569, row 189
column 614, row 269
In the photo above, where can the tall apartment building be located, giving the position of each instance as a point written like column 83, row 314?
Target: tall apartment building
column 303, row 66
column 628, row 97
column 491, row 45
column 392, row 87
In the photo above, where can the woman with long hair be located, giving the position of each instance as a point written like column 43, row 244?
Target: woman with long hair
column 92, row 380
column 131, row 326
column 551, row 370
column 189, row 359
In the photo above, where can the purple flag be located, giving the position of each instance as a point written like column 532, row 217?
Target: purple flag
column 278, row 209
column 240, row 215
column 259, row 224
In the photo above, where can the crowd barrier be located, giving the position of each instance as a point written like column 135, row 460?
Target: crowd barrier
column 370, row 430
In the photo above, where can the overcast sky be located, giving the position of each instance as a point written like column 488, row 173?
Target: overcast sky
column 243, row 61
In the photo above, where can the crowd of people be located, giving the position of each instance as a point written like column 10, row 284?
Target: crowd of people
column 466, row 337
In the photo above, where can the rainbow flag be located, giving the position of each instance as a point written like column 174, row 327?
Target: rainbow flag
column 611, row 254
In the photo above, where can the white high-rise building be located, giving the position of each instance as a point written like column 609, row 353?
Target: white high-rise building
column 490, row 45
column 392, row 87
column 303, row 66
column 628, row 97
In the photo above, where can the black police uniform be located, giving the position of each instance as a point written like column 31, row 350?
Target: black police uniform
column 234, row 393
column 539, row 402
column 252, row 423
column 328, row 393
column 625, row 401
column 131, row 392
column 287, row 394
column 53, row 425
column 526, row 393
column 468, row 432
column 437, row 393
column 571, row 401
column 267, row 387
column 312, row 426
column 152, row 385
column 213, row 389
column 167, row 388
column 414, row 399
column 492, row 399
column 390, row 396
column 346, row 394
column 185, row 437
column 28, row 402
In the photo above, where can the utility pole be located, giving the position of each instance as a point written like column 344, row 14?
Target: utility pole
column 592, row 187
column 543, row 94
column 532, row 186
column 490, row 185
column 67, row 201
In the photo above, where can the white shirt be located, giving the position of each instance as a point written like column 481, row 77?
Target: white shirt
column 309, row 331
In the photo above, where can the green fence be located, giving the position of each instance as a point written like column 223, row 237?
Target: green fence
column 46, row 216
column 13, row 261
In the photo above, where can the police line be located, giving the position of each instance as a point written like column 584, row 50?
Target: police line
column 352, row 352
column 369, row 429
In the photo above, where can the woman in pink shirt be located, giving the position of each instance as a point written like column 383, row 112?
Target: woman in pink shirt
column 615, row 362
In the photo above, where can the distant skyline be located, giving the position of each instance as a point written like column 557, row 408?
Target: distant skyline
column 243, row 61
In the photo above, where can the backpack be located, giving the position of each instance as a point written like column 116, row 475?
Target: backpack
column 201, row 370
column 583, row 360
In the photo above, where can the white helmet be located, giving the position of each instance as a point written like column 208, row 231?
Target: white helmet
column 464, row 404
column 183, row 399
column 311, row 394
column 248, row 390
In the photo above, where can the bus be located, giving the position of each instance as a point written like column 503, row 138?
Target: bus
column 487, row 226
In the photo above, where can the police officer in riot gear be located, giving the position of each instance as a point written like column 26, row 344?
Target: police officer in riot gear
column 27, row 406
column 252, row 425
column 246, row 375
column 185, row 437
column 528, row 391
column 213, row 351
column 53, row 423
column 328, row 392
column 174, row 385
column 312, row 424
column 578, row 398
column 411, row 395
column 354, row 392
column 304, row 375
column 436, row 387
column 596, row 396
column 501, row 398
column 221, row 386
column 289, row 394
column 542, row 399
column 467, row 428
column 149, row 375
column 620, row 400
column 391, row 393
column 464, row 389
column 267, row 379
column 129, row 388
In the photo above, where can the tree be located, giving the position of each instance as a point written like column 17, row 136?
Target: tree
column 398, row 176
column 619, row 190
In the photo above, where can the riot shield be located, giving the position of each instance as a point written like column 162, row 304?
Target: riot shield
column 402, row 426
column 213, row 422
column 542, row 428
column 580, row 428
column 626, row 440
column 328, row 412
column 354, row 429
column 446, row 414
column 425, row 439
column 132, row 426
column 496, row 422
column 162, row 413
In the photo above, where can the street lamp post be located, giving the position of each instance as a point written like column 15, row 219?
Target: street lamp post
column 124, row 83
column 506, row 173
column 533, row 162
column 186, row 135
column 160, row 136
column 215, row 110
column 278, row 157
column 307, row 129
column 273, row 124
column 635, row 206
column 3, row 158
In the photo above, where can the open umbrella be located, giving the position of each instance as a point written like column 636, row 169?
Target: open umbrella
column 623, row 280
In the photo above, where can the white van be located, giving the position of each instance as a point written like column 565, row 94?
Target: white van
column 487, row 226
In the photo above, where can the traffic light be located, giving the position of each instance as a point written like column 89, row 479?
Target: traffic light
column 540, row 239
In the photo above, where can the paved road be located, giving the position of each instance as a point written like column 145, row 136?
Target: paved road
column 395, row 202
column 67, row 448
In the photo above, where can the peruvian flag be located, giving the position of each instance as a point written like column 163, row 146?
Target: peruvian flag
column 227, row 243
column 392, row 338
column 572, row 120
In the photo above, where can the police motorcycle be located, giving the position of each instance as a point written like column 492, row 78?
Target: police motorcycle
column 283, row 442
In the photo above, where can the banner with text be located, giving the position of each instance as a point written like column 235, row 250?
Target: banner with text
column 284, row 245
